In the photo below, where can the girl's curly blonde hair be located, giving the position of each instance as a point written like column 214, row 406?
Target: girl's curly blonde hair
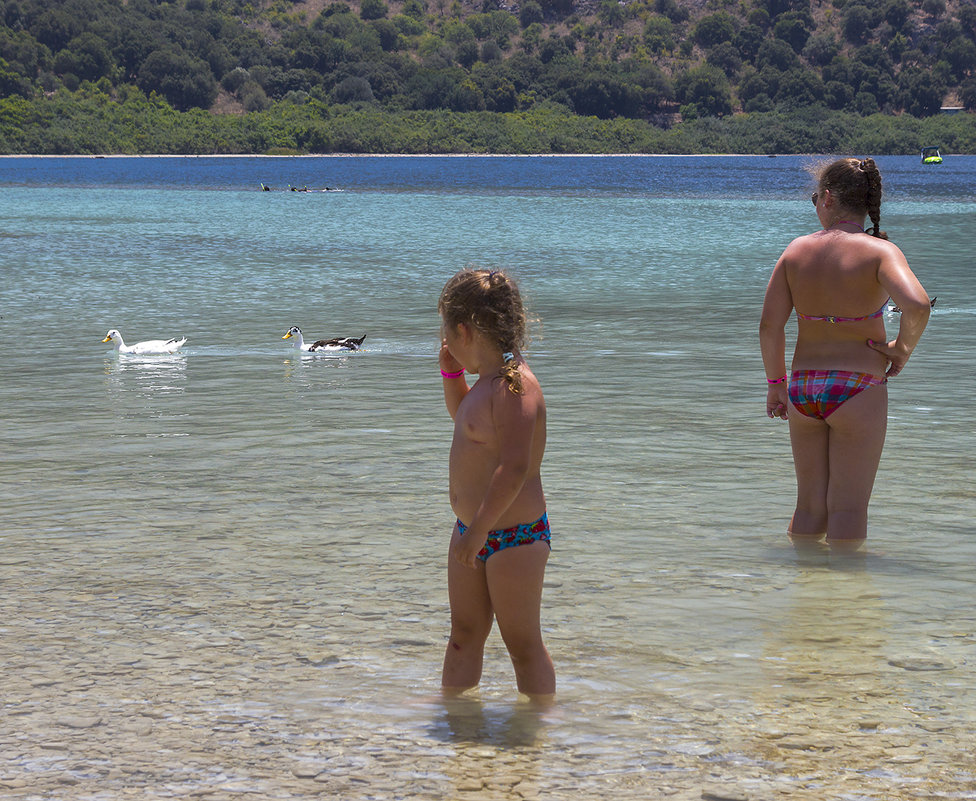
column 489, row 301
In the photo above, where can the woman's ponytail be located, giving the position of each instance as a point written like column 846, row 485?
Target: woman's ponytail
column 872, row 197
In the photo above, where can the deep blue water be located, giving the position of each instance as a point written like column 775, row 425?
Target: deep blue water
column 647, row 176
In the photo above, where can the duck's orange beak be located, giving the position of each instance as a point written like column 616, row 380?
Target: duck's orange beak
column 107, row 339
column 287, row 336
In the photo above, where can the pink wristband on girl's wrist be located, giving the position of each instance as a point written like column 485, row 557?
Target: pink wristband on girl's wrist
column 776, row 380
column 458, row 374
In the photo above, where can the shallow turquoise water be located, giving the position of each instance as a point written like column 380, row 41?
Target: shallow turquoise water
column 293, row 510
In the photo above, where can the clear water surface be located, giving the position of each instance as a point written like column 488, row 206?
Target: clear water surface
column 223, row 572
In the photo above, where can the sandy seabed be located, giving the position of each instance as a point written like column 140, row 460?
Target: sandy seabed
column 186, row 611
column 194, row 670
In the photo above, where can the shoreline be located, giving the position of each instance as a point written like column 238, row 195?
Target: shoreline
column 398, row 155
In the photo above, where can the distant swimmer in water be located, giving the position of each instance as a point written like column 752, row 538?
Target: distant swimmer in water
column 265, row 188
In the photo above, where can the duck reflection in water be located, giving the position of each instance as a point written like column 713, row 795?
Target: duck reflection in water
column 147, row 376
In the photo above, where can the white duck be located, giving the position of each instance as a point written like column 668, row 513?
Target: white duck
column 148, row 346
column 336, row 343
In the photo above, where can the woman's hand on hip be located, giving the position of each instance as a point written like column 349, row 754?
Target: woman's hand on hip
column 897, row 356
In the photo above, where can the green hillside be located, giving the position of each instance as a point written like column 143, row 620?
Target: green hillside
column 230, row 76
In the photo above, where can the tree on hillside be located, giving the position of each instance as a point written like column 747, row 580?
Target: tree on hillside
column 55, row 28
column 605, row 96
column 715, row 28
column 794, row 29
column 859, row 21
column 799, row 88
column 821, row 48
column 967, row 94
column 838, row 95
column 13, row 83
column 496, row 87
column 556, row 8
column 967, row 18
column 530, row 12
column 920, row 93
column 352, row 90
column 670, row 9
column 896, row 13
column 659, row 34
column 778, row 54
column 373, row 9
column 86, row 56
column 184, row 80
column 726, row 58
column 432, row 89
column 748, row 41
column 960, row 54
column 653, row 83
column 703, row 91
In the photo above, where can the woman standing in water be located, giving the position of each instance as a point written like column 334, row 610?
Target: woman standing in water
column 836, row 399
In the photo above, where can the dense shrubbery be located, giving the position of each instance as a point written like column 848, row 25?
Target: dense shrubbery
column 91, row 122
column 231, row 76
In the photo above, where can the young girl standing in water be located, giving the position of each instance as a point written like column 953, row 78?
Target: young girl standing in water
column 500, row 544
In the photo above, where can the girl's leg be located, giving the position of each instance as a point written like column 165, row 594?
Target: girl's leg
column 471, row 617
column 515, row 584
column 857, row 435
column 808, row 436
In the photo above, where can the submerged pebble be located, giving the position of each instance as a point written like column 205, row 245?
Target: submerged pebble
column 921, row 663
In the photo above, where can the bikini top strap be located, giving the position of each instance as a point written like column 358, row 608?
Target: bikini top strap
column 880, row 311
column 830, row 318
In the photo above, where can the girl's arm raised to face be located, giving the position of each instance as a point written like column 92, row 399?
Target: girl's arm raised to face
column 454, row 388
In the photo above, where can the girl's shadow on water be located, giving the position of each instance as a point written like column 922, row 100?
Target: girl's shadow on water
column 466, row 719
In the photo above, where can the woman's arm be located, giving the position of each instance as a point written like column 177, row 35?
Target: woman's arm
column 777, row 307
column 900, row 283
